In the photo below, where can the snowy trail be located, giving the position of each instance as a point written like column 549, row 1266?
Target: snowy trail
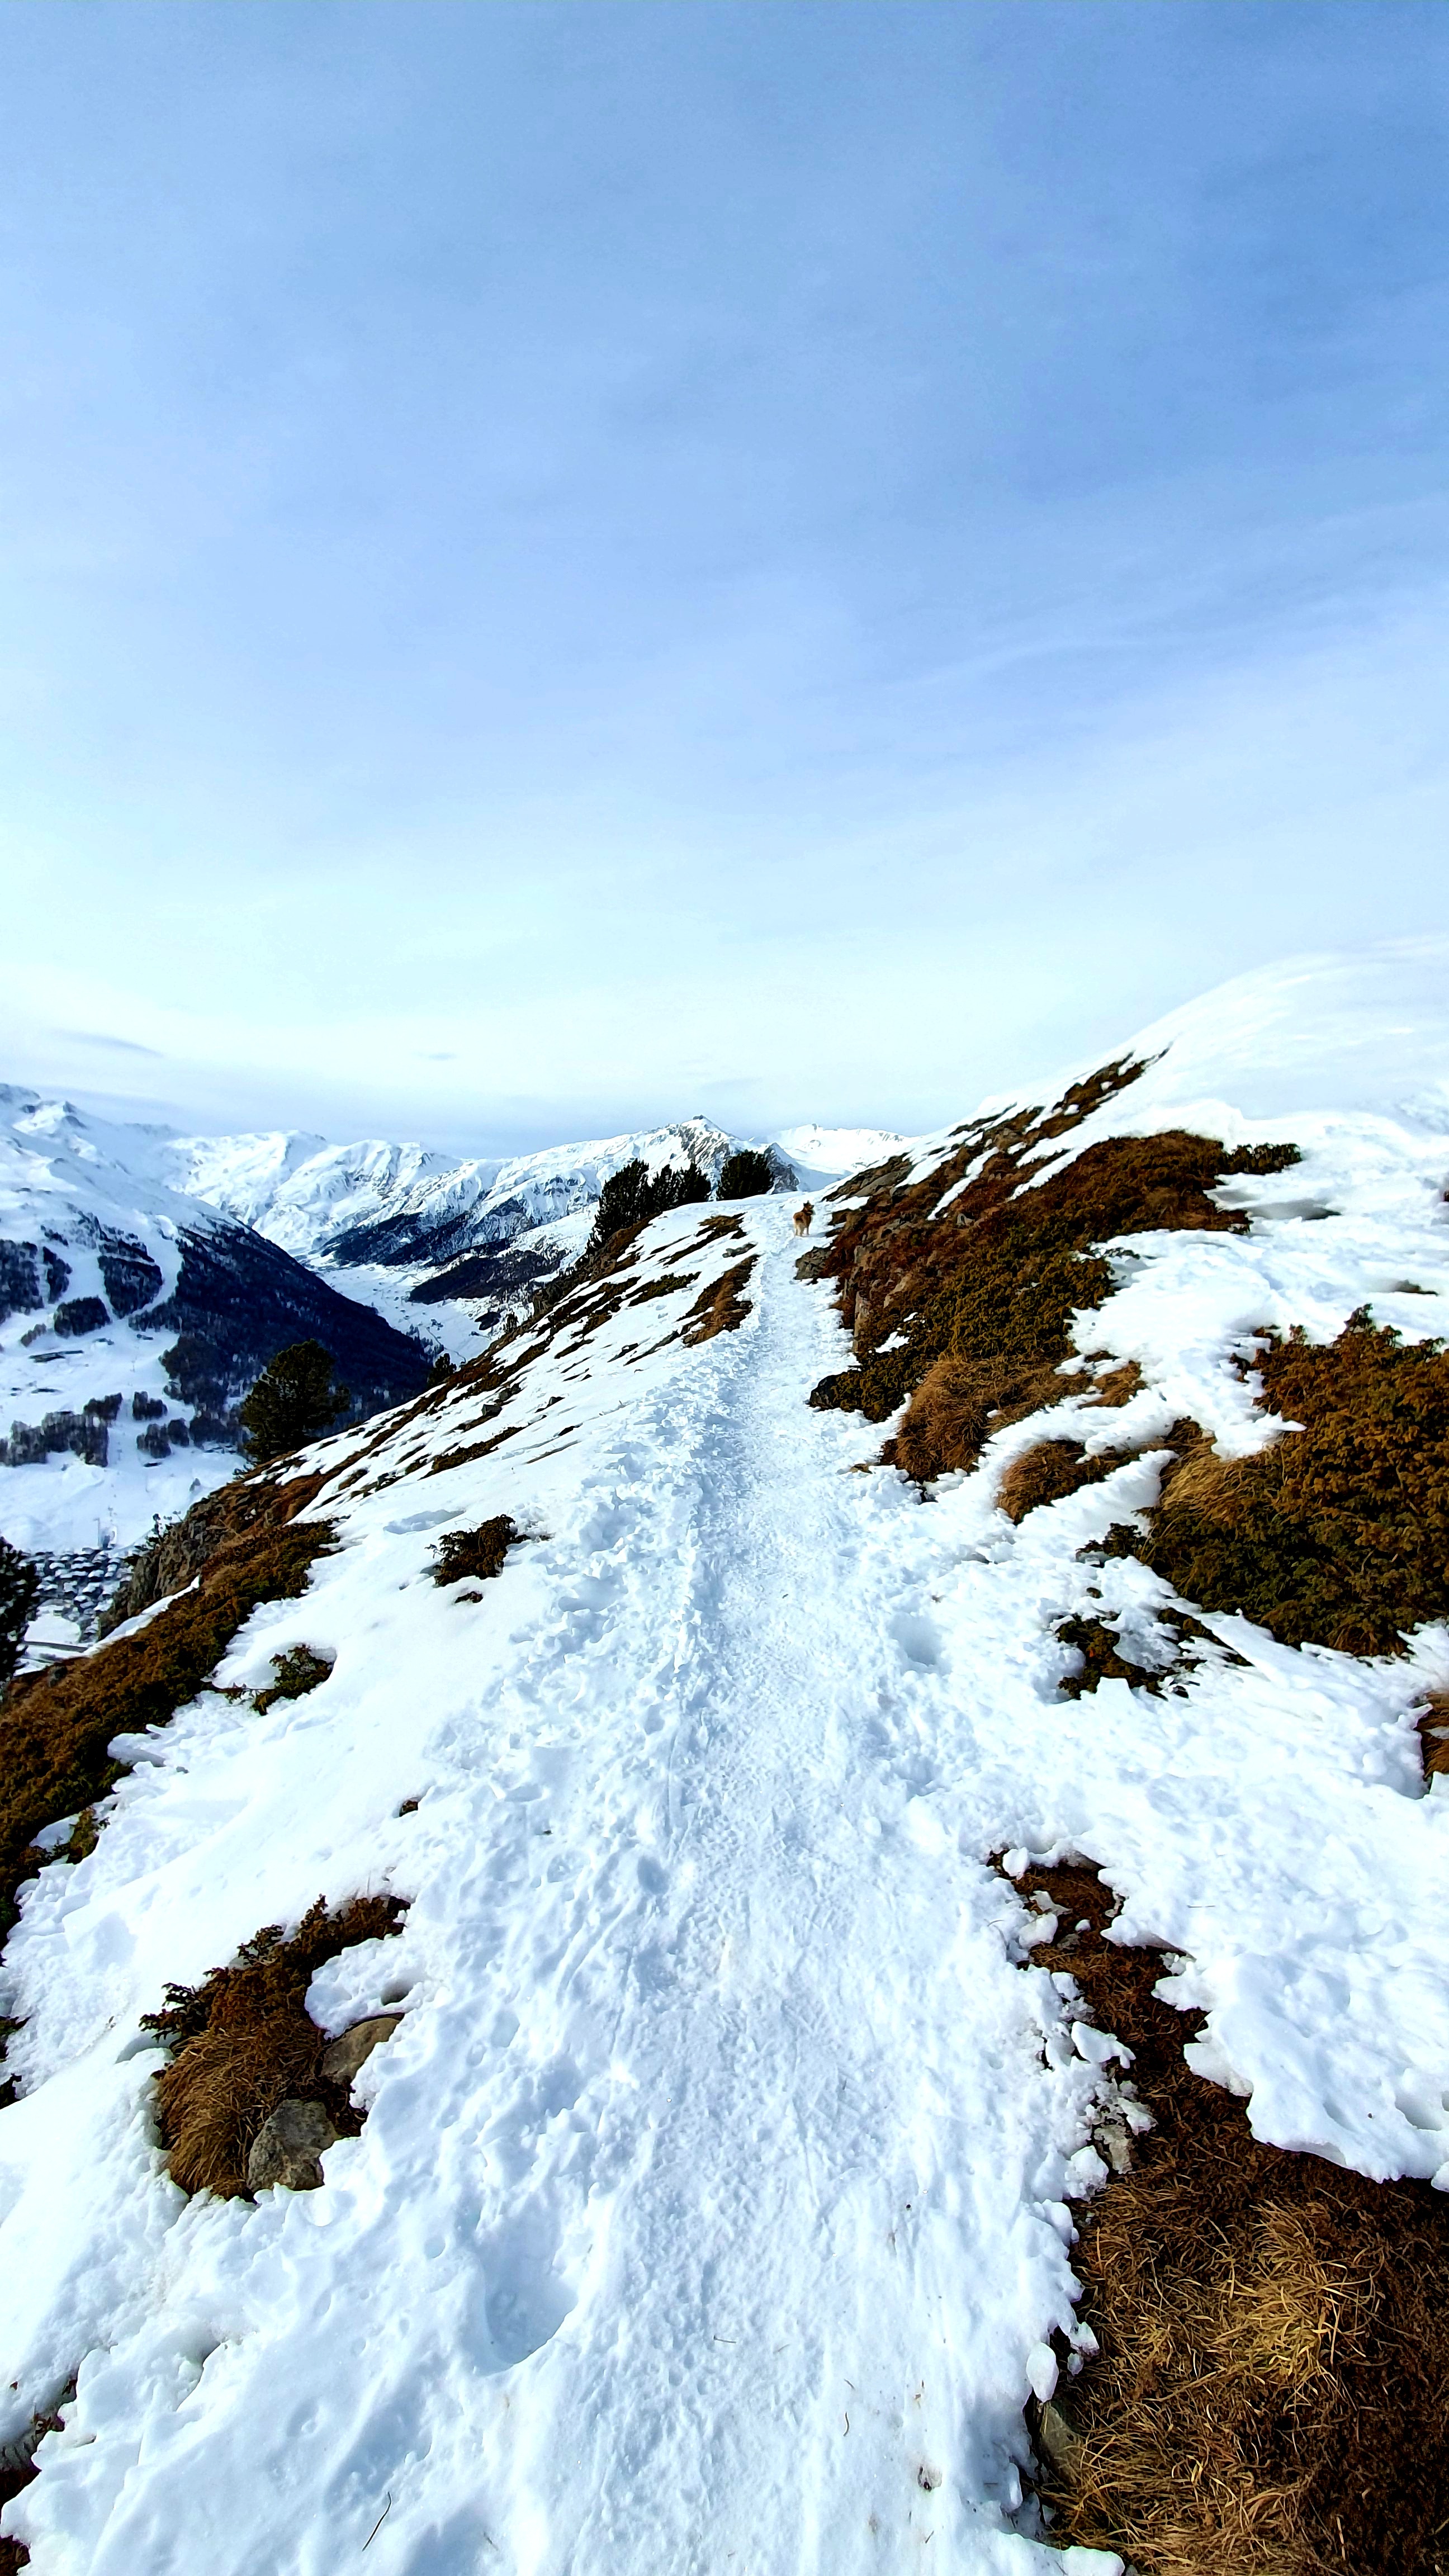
column 802, row 2234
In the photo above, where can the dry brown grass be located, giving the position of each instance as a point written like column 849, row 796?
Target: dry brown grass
column 997, row 1273
column 1051, row 1470
column 467, row 1455
column 242, row 2042
column 960, row 1402
column 957, row 1406
column 1269, row 2394
column 720, row 1307
column 170, row 1560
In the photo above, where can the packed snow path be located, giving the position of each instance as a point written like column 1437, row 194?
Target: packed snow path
column 825, row 2183
column 712, row 2207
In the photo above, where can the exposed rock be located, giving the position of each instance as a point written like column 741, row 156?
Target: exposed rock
column 342, row 2060
column 1056, row 2435
column 288, row 2148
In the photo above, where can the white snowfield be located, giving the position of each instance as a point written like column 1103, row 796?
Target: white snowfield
column 714, row 2206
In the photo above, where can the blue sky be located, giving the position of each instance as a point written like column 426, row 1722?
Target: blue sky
column 569, row 563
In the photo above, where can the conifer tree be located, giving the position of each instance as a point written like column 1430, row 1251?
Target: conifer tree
column 19, row 1586
column 746, row 1175
column 635, row 1194
column 293, row 1401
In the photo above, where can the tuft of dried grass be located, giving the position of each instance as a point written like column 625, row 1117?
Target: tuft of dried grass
column 957, row 1406
column 1051, row 1470
column 1273, row 2332
column 242, row 2041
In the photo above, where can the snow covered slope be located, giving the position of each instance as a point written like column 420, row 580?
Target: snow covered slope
column 132, row 1318
column 713, row 2208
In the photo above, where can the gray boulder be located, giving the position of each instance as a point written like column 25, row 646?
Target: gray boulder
column 341, row 2061
column 288, row 2147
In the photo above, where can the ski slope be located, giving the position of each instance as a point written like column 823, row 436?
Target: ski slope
column 714, row 2209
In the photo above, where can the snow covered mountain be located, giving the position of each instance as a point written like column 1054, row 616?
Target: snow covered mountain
column 733, row 1709
column 826, row 1153
column 132, row 1318
column 404, row 1228
column 403, row 1205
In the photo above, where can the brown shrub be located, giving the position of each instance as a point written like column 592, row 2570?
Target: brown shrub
column 1102, row 1659
column 1185, row 1643
column 242, row 2041
column 56, row 1727
column 1273, row 2332
column 1339, row 1532
column 720, row 1307
column 477, row 1554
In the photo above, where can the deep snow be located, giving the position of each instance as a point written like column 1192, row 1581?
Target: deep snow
column 714, row 2206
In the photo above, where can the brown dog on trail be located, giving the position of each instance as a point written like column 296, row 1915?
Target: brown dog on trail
column 804, row 1218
